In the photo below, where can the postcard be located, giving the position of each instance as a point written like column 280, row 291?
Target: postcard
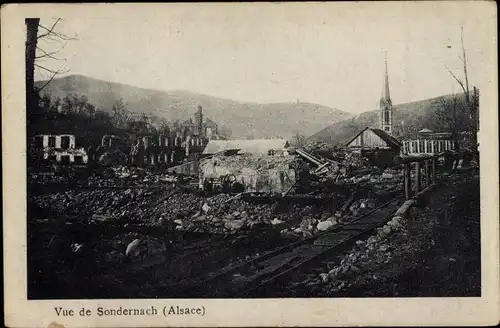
column 250, row 164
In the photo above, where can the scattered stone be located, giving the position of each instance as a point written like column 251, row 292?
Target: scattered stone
column 324, row 277
column 333, row 220
column 76, row 247
column 276, row 221
column 324, row 225
column 205, row 208
column 384, row 247
column 234, row 224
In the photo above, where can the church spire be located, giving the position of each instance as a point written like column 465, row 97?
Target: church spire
column 387, row 94
column 386, row 104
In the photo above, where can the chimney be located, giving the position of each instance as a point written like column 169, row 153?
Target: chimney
column 199, row 121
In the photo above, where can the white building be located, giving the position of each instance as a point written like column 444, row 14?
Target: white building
column 60, row 148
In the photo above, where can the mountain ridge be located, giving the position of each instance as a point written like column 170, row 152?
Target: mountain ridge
column 244, row 119
column 408, row 118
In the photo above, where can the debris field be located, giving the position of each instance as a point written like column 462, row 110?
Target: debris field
column 133, row 232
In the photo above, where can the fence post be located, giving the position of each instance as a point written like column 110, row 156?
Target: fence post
column 407, row 180
column 417, row 177
column 425, row 173
column 434, row 163
column 429, row 172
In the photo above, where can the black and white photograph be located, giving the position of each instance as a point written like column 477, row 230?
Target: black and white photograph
column 247, row 151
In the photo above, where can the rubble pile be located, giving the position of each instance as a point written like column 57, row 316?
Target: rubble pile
column 260, row 163
column 130, row 176
column 321, row 148
column 44, row 178
column 377, row 250
column 187, row 211
column 115, row 176
column 130, row 203
column 221, row 213
column 313, row 224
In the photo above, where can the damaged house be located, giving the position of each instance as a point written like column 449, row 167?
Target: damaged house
column 252, row 165
column 58, row 149
column 376, row 145
column 174, row 145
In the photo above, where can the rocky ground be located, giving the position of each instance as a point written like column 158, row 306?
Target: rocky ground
column 437, row 254
column 79, row 227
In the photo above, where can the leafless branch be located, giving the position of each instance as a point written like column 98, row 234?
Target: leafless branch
column 49, row 31
column 456, row 79
column 51, row 34
column 54, row 73
column 464, row 57
column 48, row 54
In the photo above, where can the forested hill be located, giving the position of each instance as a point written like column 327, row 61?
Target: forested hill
column 244, row 119
column 434, row 113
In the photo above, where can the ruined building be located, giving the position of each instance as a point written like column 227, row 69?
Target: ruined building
column 175, row 145
column 377, row 145
column 58, row 149
column 386, row 105
column 253, row 165
column 202, row 127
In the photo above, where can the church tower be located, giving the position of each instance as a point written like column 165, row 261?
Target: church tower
column 386, row 104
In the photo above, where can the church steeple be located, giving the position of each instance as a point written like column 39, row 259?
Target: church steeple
column 387, row 94
column 386, row 104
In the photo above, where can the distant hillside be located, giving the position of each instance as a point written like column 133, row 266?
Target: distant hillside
column 408, row 119
column 243, row 118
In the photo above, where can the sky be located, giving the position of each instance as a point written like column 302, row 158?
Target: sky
column 330, row 54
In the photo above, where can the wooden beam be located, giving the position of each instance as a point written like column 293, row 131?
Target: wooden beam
column 417, row 176
column 407, row 180
column 428, row 173
column 434, row 164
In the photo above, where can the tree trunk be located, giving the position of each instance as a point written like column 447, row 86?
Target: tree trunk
column 31, row 43
column 475, row 116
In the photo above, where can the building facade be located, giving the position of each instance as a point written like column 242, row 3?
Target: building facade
column 58, row 149
column 175, row 145
column 428, row 143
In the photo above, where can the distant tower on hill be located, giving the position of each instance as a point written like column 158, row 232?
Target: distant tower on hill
column 386, row 104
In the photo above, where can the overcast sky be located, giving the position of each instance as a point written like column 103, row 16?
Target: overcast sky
column 330, row 54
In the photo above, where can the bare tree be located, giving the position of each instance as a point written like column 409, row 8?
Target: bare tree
column 446, row 116
column 299, row 140
column 120, row 114
column 50, row 34
column 471, row 100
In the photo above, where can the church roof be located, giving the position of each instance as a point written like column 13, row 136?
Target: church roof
column 390, row 140
column 386, row 137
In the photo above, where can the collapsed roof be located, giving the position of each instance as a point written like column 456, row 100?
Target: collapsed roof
column 254, row 146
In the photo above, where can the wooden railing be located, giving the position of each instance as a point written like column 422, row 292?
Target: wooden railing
column 425, row 167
